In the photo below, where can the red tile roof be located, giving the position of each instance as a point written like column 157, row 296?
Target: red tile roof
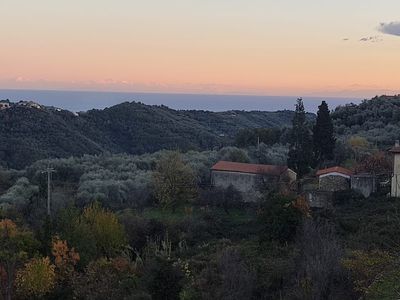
column 335, row 170
column 249, row 168
column 395, row 149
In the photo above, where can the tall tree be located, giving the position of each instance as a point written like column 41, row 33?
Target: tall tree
column 174, row 181
column 324, row 139
column 300, row 155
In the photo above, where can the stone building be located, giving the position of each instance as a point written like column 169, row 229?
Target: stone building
column 247, row 177
column 395, row 186
column 334, row 179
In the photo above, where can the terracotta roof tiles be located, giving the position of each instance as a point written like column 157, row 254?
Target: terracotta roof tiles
column 395, row 149
column 336, row 169
column 249, row 168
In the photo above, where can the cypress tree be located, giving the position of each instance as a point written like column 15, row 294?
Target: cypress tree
column 300, row 155
column 324, row 139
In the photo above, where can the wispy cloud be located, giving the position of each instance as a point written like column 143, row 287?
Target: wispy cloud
column 392, row 28
column 114, row 85
column 371, row 39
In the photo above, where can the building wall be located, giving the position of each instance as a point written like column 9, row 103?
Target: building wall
column 249, row 184
column 395, row 189
column 289, row 176
column 364, row 184
column 243, row 182
column 333, row 183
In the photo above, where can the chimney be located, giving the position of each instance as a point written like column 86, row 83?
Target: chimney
column 397, row 143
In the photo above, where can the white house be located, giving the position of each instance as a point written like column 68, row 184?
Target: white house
column 395, row 186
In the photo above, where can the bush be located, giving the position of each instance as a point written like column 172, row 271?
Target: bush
column 162, row 279
column 347, row 197
column 106, row 279
column 320, row 274
column 19, row 195
column 36, row 279
column 226, row 277
column 94, row 233
column 278, row 218
column 276, row 154
column 139, row 229
column 194, row 230
column 225, row 198
column 233, row 154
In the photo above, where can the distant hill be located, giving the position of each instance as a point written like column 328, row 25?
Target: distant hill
column 377, row 119
column 29, row 132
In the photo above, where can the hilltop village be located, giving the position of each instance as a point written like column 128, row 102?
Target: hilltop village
column 6, row 104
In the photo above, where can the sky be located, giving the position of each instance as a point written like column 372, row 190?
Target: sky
column 346, row 48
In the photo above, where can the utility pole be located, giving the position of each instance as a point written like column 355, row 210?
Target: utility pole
column 49, row 172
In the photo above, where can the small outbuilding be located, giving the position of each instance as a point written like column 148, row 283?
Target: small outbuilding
column 334, row 179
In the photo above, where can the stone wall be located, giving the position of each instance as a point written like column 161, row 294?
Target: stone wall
column 334, row 183
column 248, row 184
column 364, row 184
column 243, row 182
column 319, row 199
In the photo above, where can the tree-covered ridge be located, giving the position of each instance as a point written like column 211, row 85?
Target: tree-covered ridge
column 229, row 122
column 28, row 134
column 376, row 119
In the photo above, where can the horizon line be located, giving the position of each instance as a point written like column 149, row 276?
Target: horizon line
column 188, row 93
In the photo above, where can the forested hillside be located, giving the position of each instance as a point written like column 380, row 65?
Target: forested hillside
column 29, row 134
column 377, row 120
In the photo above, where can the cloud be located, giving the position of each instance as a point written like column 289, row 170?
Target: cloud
column 392, row 28
column 372, row 39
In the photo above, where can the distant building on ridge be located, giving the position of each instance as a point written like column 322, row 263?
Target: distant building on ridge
column 4, row 104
